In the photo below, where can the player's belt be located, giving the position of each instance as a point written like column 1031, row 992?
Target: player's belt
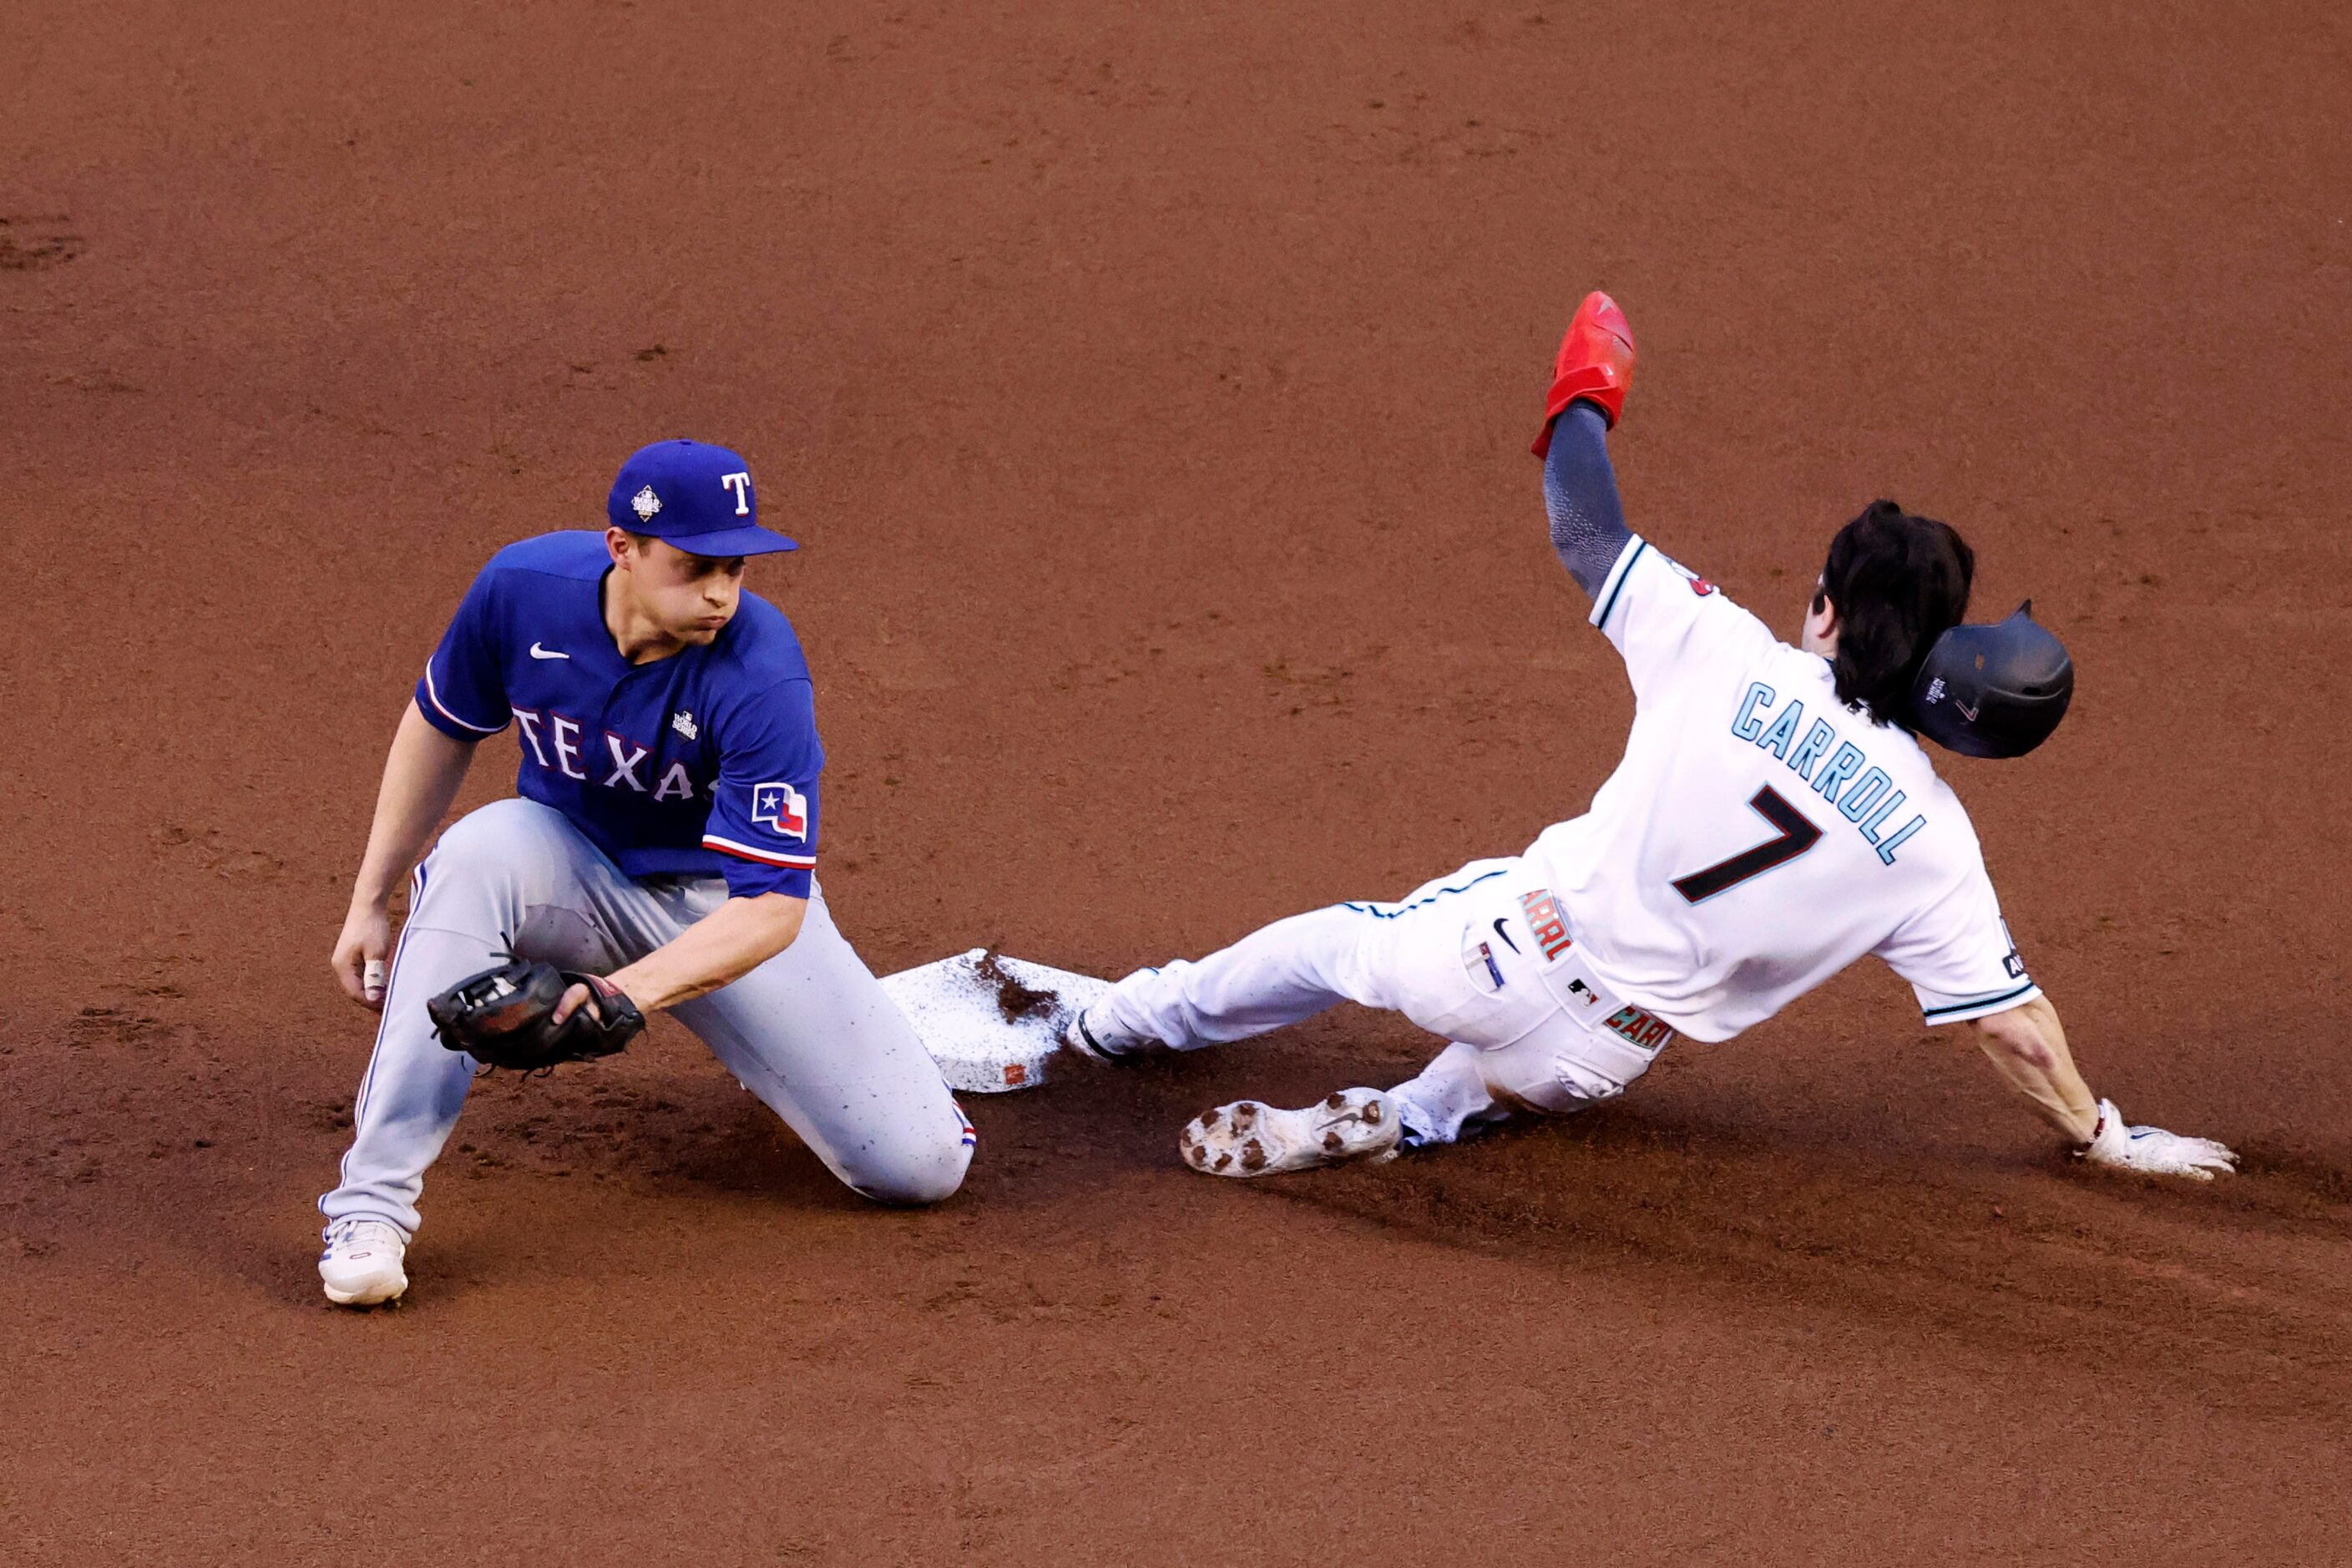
column 1615, row 1024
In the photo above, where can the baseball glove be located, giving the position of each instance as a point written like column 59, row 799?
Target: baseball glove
column 499, row 1017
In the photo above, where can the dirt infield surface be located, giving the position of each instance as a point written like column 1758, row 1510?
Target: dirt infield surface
column 1150, row 386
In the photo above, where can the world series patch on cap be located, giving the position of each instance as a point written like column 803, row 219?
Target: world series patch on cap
column 696, row 496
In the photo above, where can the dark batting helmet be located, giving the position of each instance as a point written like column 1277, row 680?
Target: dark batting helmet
column 1993, row 690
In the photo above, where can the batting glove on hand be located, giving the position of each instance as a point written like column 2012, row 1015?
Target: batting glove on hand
column 2154, row 1150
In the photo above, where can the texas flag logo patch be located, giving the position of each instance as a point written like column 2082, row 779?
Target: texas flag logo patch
column 781, row 807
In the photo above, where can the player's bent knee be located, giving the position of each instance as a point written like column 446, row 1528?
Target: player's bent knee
column 910, row 1189
column 506, row 840
column 918, row 1178
column 489, row 834
column 1580, row 1086
column 1557, row 1071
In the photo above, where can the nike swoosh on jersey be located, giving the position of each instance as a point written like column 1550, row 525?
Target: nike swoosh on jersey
column 538, row 652
column 1505, row 935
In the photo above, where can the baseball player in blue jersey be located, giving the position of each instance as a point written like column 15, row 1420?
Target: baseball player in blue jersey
column 664, row 837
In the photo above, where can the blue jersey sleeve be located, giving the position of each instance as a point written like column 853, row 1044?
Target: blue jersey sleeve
column 763, row 805
column 463, row 692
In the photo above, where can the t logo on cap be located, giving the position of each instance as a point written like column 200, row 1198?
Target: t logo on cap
column 679, row 491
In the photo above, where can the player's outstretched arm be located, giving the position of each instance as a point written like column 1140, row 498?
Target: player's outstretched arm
column 421, row 777
column 722, row 947
column 1590, row 378
column 1588, row 521
column 2028, row 1045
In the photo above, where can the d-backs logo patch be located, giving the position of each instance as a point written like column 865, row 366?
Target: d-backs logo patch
column 781, row 807
column 1698, row 584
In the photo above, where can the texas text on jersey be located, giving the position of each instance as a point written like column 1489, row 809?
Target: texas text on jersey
column 702, row 763
column 1760, row 836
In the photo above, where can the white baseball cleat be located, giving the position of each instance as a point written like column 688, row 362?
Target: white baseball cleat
column 361, row 1263
column 1090, row 1033
column 1249, row 1139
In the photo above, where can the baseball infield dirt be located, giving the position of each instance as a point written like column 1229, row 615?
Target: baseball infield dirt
column 1151, row 386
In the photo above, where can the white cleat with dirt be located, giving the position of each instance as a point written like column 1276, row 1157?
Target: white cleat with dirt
column 1250, row 1139
column 361, row 1265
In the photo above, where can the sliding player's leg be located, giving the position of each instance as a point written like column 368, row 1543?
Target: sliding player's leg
column 1557, row 1069
column 1282, row 973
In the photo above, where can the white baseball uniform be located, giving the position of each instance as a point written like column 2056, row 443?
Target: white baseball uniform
column 1757, row 838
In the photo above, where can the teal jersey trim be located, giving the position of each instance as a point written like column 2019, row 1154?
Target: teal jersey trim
column 1618, row 588
column 1934, row 1015
column 1391, row 912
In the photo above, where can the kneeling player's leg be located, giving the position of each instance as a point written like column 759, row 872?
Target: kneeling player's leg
column 814, row 1036
column 1556, row 1069
column 504, row 875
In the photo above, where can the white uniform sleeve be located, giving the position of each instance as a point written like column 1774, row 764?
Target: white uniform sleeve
column 1669, row 622
column 1958, row 956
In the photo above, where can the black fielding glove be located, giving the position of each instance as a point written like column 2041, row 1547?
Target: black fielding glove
column 500, row 1017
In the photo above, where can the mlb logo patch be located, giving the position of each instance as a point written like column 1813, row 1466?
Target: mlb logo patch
column 781, row 807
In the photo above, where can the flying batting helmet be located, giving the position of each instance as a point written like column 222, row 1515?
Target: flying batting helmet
column 1993, row 690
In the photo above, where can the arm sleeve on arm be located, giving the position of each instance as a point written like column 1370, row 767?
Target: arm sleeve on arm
column 463, row 692
column 1588, row 521
column 763, row 807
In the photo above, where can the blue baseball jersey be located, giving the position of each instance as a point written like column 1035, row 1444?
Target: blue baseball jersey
column 703, row 762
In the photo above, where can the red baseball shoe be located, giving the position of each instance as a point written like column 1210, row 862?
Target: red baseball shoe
column 1596, row 363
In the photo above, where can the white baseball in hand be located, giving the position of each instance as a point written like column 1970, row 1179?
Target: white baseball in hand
column 371, row 979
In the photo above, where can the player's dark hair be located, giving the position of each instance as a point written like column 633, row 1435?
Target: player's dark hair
column 1899, row 583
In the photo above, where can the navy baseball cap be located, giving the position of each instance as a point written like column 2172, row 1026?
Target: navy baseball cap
column 697, row 496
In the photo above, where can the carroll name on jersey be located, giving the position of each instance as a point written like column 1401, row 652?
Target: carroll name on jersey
column 1760, row 836
column 1869, row 797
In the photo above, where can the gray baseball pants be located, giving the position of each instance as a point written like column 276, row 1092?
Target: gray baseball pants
column 811, row 1031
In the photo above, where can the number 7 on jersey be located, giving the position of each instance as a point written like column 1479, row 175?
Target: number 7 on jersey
column 1797, row 835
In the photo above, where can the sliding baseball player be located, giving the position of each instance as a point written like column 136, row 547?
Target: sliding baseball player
column 1774, row 819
